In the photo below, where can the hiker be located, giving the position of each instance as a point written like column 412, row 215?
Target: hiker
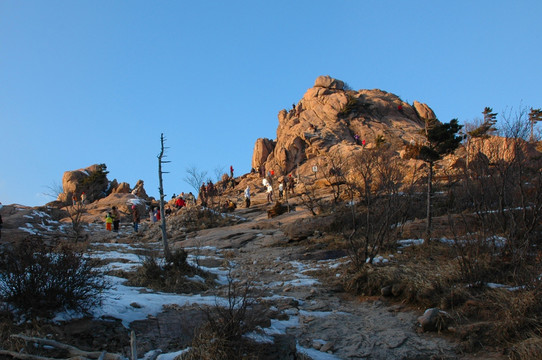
column 247, row 196
column 191, row 198
column 356, row 138
column 135, row 217
column 211, row 191
column 291, row 183
column 74, row 199
column 230, row 205
column 269, row 193
column 152, row 215
column 116, row 218
column 83, row 198
column 231, row 171
column 108, row 221
column 157, row 214
column 281, row 190
column 203, row 194
column 180, row 203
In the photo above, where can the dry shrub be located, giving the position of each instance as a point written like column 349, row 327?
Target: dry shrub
column 210, row 344
column 516, row 312
column 169, row 275
column 418, row 278
column 40, row 281
column 530, row 349
column 194, row 218
column 370, row 280
column 500, row 317
column 7, row 327
column 222, row 335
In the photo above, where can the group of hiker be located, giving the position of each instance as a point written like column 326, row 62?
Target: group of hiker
column 207, row 192
column 112, row 219
column 75, row 200
column 287, row 183
column 183, row 200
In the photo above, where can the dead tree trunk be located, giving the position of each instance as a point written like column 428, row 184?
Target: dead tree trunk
column 161, row 189
column 429, row 203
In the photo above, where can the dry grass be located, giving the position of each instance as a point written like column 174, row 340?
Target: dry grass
column 529, row 349
column 432, row 276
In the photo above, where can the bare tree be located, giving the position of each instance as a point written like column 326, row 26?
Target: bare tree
column 219, row 172
column 333, row 170
column 377, row 181
column 75, row 213
column 195, row 177
column 161, row 155
column 500, row 205
column 54, row 190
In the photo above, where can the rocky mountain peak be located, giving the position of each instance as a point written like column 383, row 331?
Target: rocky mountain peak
column 331, row 116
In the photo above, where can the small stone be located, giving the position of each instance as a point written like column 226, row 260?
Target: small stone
column 327, row 347
column 386, row 291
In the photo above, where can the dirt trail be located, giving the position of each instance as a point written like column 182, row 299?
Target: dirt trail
column 328, row 322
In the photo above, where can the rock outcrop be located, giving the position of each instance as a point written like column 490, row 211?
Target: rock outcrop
column 330, row 118
column 93, row 182
column 262, row 149
column 122, row 188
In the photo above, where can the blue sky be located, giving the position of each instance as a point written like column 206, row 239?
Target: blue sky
column 88, row 82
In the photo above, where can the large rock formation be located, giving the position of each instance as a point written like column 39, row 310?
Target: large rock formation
column 93, row 182
column 330, row 118
column 262, row 149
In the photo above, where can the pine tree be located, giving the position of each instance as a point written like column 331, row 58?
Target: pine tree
column 534, row 116
column 488, row 125
column 442, row 140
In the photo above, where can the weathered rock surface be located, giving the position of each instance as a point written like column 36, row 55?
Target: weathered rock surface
column 424, row 111
column 262, row 149
column 122, row 188
column 331, row 119
column 91, row 180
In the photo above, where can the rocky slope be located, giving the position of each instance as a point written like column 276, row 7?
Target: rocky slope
column 298, row 279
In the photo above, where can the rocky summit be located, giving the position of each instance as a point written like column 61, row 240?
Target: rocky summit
column 330, row 118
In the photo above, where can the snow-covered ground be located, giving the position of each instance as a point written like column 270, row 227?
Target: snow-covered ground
column 128, row 303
